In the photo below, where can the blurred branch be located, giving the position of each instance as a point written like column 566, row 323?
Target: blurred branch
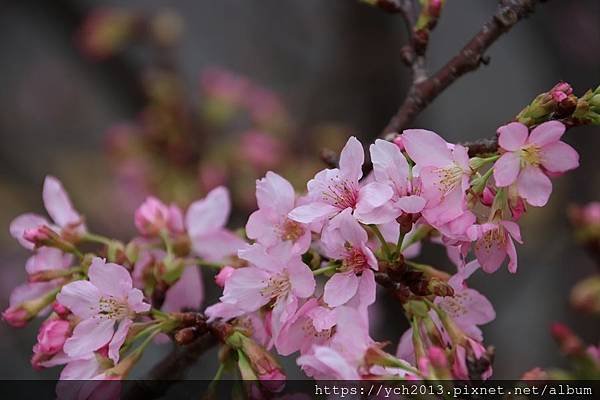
column 425, row 89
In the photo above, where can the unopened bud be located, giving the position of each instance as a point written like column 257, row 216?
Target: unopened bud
column 585, row 296
column 187, row 335
column 223, row 275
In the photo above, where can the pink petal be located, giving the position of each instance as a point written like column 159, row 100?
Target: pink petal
column 312, row 212
column 389, row 163
column 135, row 300
column 244, row 288
column 372, row 195
column 275, row 193
column 426, row 148
column 534, row 186
column 224, row 311
column 340, row 288
column 118, row 339
column 58, row 204
column 380, row 215
column 30, row 291
column 513, row 136
column 490, row 253
column 301, row 278
column 350, row 230
column 367, row 289
column 111, row 279
column 24, row 222
column 209, row 214
column 81, row 297
column 351, row 159
column 260, row 227
column 48, row 258
column 546, row 133
column 559, row 157
column 411, row 204
column 187, row 292
column 217, row 245
column 257, row 254
column 506, row 169
column 512, row 255
column 513, row 229
column 460, row 155
column 80, row 370
column 89, row 335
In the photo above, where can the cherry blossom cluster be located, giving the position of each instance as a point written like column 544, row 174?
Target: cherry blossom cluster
column 301, row 277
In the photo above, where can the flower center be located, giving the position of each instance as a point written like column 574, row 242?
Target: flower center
column 112, row 308
column 309, row 330
column 456, row 305
column 530, row 155
column 341, row 194
column 290, row 230
column 492, row 238
column 276, row 286
column 354, row 260
column 449, row 178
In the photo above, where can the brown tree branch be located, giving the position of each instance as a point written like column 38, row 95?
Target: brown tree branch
column 424, row 90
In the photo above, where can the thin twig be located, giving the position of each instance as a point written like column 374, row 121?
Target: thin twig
column 423, row 92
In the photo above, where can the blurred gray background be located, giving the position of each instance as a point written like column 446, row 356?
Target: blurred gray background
column 331, row 60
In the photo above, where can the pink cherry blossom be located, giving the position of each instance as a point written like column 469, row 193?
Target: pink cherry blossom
column 153, row 216
column 345, row 239
column 444, row 173
column 391, row 168
column 50, row 340
column 106, row 300
column 529, row 158
column 58, row 205
column 493, row 242
column 311, row 325
column 279, row 277
column 205, row 223
column 332, row 191
column 270, row 225
column 468, row 308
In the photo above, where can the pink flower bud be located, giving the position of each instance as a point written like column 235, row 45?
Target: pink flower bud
column 52, row 335
column 398, row 142
column 43, row 235
column 59, row 309
column 16, row 316
column 562, row 87
column 437, row 357
column 224, row 275
column 487, row 196
column 151, row 217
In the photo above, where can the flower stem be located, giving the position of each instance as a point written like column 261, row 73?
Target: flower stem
column 92, row 237
column 384, row 245
column 325, row 269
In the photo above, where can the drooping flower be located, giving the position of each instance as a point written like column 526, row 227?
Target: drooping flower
column 106, row 300
column 66, row 219
column 270, row 225
column 344, row 239
column 444, row 173
column 205, row 223
column 528, row 159
column 332, row 191
column 493, row 242
column 391, row 168
column 280, row 278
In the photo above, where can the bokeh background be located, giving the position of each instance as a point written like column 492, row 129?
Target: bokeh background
column 335, row 68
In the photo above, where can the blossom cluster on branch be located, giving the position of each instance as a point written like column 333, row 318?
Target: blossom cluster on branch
column 302, row 275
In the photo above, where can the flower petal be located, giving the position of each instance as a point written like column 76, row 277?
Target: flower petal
column 340, row 288
column 559, row 157
column 118, row 339
column 58, row 204
column 217, row 245
column 411, row 204
column 301, row 278
column 81, row 297
column 187, row 292
column 209, row 214
column 351, row 159
column 275, row 193
column 373, row 195
column 88, row 336
column 506, row 169
column 389, row 163
column 312, row 212
column 534, row 186
column 546, row 133
column 111, row 279
column 244, row 288
column 513, row 136
column 426, row 148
